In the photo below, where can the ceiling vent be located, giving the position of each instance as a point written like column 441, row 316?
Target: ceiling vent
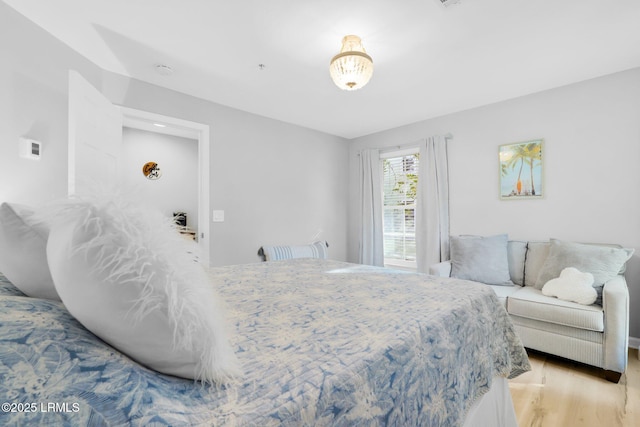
column 447, row 3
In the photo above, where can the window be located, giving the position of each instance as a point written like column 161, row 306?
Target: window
column 399, row 186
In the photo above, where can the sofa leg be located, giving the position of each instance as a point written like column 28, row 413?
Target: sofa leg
column 612, row 376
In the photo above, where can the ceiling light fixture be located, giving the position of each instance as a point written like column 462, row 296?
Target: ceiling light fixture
column 447, row 3
column 352, row 68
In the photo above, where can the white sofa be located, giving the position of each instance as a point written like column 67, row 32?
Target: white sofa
column 595, row 334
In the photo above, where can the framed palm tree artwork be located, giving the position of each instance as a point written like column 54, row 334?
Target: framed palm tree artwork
column 521, row 170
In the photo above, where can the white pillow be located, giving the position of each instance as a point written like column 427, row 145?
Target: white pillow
column 23, row 255
column 128, row 276
column 572, row 285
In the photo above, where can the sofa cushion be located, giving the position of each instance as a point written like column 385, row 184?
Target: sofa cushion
column 604, row 262
column 537, row 253
column 517, row 253
column 550, row 330
column 481, row 259
column 504, row 292
column 530, row 303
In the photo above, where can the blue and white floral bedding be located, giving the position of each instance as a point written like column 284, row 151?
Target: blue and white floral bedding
column 322, row 343
column 7, row 288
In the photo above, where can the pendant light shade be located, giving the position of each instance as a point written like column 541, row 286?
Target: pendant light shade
column 352, row 68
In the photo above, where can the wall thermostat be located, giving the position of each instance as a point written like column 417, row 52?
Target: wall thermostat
column 30, row 149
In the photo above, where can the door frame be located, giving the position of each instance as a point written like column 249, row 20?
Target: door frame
column 139, row 119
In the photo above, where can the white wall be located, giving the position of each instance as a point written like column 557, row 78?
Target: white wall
column 33, row 104
column 277, row 183
column 592, row 167
column 177, row 158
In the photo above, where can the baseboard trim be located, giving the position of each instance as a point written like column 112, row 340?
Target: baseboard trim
column 634, row 343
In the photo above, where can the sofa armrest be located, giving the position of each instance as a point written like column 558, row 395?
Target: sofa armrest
column 441, row 269
column 615, row 303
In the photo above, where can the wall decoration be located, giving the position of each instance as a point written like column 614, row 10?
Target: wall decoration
column 151, row 170
column 521, row 170
column 180, row 218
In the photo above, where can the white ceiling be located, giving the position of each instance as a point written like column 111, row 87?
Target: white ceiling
column 429, row 60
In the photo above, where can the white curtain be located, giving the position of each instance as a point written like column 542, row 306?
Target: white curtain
column 371, row 239
column 432, row 211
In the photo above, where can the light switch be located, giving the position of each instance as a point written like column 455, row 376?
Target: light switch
column 218, row 216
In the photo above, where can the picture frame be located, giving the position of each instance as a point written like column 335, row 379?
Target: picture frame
column 521, row 170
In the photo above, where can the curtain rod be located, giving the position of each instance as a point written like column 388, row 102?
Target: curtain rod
column 447, row 136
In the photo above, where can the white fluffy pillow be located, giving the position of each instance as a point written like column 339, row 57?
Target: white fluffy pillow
column 572, row 285
column 23, row 255
column 126, row 274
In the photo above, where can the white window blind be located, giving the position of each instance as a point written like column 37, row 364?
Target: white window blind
column 400, row 184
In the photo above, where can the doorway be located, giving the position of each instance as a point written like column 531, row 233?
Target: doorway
column 95, row 144
column 157, row 123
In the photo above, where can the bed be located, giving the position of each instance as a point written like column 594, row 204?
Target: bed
column 320, row 342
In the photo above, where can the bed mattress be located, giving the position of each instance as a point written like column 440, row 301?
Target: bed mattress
column 321, row 343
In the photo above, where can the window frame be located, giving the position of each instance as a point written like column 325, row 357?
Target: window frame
column 392, row 154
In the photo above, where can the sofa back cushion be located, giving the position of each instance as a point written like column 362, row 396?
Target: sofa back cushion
column 481, row 259
column 604, row 262
column 537, row 253
column 517, row 252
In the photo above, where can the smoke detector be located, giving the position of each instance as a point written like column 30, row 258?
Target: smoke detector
column 447, row 3
column 164, row 70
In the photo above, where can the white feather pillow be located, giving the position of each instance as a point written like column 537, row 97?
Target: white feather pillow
column 126, row 274
column 572, row 285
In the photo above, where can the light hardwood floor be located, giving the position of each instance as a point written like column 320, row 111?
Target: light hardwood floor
column 558, row 392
